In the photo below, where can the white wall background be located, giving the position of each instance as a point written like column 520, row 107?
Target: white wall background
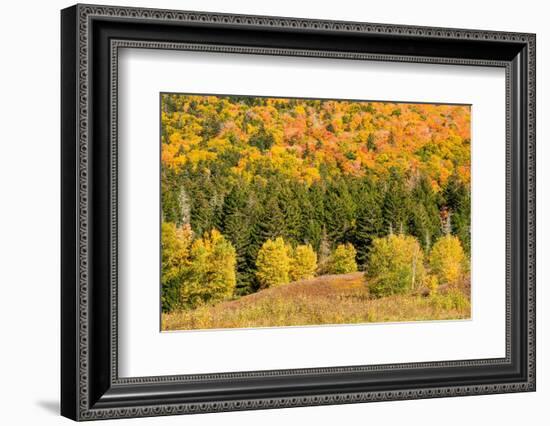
column 29, row 212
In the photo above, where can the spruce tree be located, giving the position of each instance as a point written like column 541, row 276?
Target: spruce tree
column 290, row 198
column 235, row 225
column 339, row 212
column 313, row 215
column 396, row 206
column 369, row 222
column 424, row 215
column 456, row 197
column 272, row 222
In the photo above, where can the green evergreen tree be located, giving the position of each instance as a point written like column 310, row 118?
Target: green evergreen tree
column 456, row 196
column 171, row 189
column 396, row 206
column 424, row 221
column 290, row 198
column 272, row 221
column 236, row 227
column 369, row 222
column 339, row 212
column 313, row 216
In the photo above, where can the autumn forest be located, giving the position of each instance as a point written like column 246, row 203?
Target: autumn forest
column 287, row 211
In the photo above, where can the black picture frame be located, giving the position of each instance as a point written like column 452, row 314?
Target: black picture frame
column 90, row 386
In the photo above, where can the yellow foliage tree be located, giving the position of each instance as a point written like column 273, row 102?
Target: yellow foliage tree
column 343, row 259
column 303, row 263
column 273, row 263
column 210, row 276
column 447, row 260
column 176, row 243
column 395, row 265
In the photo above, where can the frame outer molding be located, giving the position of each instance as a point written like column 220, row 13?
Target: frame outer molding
column 76, row 402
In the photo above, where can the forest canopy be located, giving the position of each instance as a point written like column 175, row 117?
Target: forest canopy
column 319, row 180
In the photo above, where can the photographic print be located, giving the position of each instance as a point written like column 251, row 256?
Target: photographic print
column 298, row 212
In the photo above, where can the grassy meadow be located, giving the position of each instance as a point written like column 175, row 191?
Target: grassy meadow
column 327, row 299
column 289, row 212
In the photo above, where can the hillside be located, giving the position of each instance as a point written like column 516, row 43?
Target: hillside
column 327, row 299
column 313, row 172
column 308, row 140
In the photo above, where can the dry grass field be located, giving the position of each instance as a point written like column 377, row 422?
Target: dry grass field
column 327, row 299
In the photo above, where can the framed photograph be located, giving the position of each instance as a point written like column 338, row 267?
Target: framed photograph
column 263, row 212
